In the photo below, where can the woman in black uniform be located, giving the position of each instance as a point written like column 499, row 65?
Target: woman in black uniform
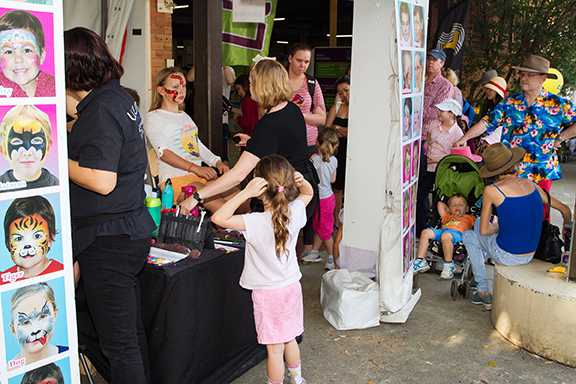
column 111, row 226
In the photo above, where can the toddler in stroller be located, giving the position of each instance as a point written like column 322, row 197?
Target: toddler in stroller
column 454, row 222
column 456, row 174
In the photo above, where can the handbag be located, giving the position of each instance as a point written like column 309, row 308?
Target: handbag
column 550, row 245
column 190, row 231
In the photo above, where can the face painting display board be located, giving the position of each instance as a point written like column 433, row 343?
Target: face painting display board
column 381, row 169
column 37, row 311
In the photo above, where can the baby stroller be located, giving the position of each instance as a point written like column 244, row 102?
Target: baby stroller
column 455, row 174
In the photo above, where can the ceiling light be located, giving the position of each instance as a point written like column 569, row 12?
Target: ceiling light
column 279, row 18
column 281, row 42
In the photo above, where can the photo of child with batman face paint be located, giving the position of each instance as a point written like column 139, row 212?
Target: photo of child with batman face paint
column 22, row 52
column 29, row 230
column 33, row 316
column 25, row 141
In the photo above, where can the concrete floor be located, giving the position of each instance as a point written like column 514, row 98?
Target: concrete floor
column 443, row 341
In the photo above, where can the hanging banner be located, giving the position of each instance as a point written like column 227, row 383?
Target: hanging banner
column 37, row 314
column 451, row 34
column 411, row 19
column 241, row 42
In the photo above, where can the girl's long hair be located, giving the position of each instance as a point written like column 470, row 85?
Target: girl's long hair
column 278, row 172
column 244, row 82
column 161, row 78
column 328, row 139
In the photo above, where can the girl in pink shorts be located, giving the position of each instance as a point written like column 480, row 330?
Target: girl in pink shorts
column 323, row 224
column 271, row 268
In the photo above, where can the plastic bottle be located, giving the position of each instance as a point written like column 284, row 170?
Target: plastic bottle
column 167, row 195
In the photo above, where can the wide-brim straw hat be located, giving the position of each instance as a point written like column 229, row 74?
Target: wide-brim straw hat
column 499, row 158
column 537, row 64
column 497, row 84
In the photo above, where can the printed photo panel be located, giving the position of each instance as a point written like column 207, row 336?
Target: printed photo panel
column 33, row 245
column 34, row 323
column 406, row 72
column 419, row 21
column 406, row 164
column 29, row 147
column 418, row 72
column 28, row 35
column 57, row 372
column 405, row 23
column 406, row 119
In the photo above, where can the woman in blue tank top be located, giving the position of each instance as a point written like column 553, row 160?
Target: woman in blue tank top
column 512, row 237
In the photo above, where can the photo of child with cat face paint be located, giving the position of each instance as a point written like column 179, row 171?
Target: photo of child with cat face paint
column 25, row 141
column 33, row 319
column 22, row 52
column 30, row 230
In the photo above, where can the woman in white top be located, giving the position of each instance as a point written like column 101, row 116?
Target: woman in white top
column 174, row 137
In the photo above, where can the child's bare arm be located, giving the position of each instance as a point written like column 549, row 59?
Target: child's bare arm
column 306, row 190
column 334, row 177
column 442, row 208
column 225, row 216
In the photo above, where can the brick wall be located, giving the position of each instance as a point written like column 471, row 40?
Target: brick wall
column 160, row 39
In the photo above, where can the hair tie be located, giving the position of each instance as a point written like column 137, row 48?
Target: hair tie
column 280, row 189
column 326, row 138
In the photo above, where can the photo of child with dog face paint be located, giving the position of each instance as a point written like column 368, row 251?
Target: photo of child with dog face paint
column 22, row 52
column 30, row 230
column 25, row 141
column 33, row 317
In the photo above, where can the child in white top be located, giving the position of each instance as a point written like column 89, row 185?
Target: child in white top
column 271, row 266
column 174, row 137
column 325, row 164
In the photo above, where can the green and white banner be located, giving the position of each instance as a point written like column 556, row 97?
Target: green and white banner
column 243, row 41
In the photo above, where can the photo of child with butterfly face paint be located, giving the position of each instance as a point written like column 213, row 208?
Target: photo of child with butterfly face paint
column 30, row 230
column 25, row 142
column 33, row 322
column 47, row 374
column 22, row 52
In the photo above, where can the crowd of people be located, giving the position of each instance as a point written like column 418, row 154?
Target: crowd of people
column 298, row 173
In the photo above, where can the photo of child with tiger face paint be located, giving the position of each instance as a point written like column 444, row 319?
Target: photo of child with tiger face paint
column 25, row 141
column 30, row 230
column 33, row 322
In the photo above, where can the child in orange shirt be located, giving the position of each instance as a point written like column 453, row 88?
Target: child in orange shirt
column 454, row 223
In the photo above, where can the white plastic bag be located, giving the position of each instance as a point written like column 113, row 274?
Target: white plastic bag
column 349, row 300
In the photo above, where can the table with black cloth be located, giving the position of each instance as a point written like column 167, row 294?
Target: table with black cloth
column 198, row 320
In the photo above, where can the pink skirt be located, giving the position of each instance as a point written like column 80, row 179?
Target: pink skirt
column 325, row 226
column 278, row 314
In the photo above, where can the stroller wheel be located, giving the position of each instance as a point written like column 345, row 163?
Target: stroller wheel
column 466, row 293
column 454, row 289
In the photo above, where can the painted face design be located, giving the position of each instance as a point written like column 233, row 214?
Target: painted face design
column 34, row 322
column 26, row 149
column 180, row 88
column 29, row 241
column 50, row 381
column 405, row 25
column 21, row 57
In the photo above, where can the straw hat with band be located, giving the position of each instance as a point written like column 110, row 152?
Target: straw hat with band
column 537, row 64
column 497, row 84
column 499, row 159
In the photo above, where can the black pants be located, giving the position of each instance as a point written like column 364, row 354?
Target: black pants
column 425, row 185
column 110, row 267
column 311, row 176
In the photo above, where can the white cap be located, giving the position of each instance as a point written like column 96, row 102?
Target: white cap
column 450, row 105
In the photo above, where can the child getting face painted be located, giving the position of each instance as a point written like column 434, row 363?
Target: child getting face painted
column 34, row 314
column 22, row 52
column 25, row 140
column 30, row 229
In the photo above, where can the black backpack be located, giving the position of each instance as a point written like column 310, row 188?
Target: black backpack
column 311, row 87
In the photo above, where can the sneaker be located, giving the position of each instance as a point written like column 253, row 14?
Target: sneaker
column 448, row 270
column 311, row 257
column 486, row 301
column 420, row 266
column 329, row 263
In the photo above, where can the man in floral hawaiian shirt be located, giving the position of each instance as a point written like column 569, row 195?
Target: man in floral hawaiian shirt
column 533, row 119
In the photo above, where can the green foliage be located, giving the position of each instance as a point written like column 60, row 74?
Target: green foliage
column 502, row 33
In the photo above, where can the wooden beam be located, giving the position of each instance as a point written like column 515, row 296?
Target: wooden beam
column 333, row 22
column 207, row 29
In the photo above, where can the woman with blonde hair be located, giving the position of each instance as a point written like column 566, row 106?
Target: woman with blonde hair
column 281, row 131
column 174, row 137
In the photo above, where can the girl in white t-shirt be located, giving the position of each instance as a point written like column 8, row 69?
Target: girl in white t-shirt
column 271, row 266
column 174, row 137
